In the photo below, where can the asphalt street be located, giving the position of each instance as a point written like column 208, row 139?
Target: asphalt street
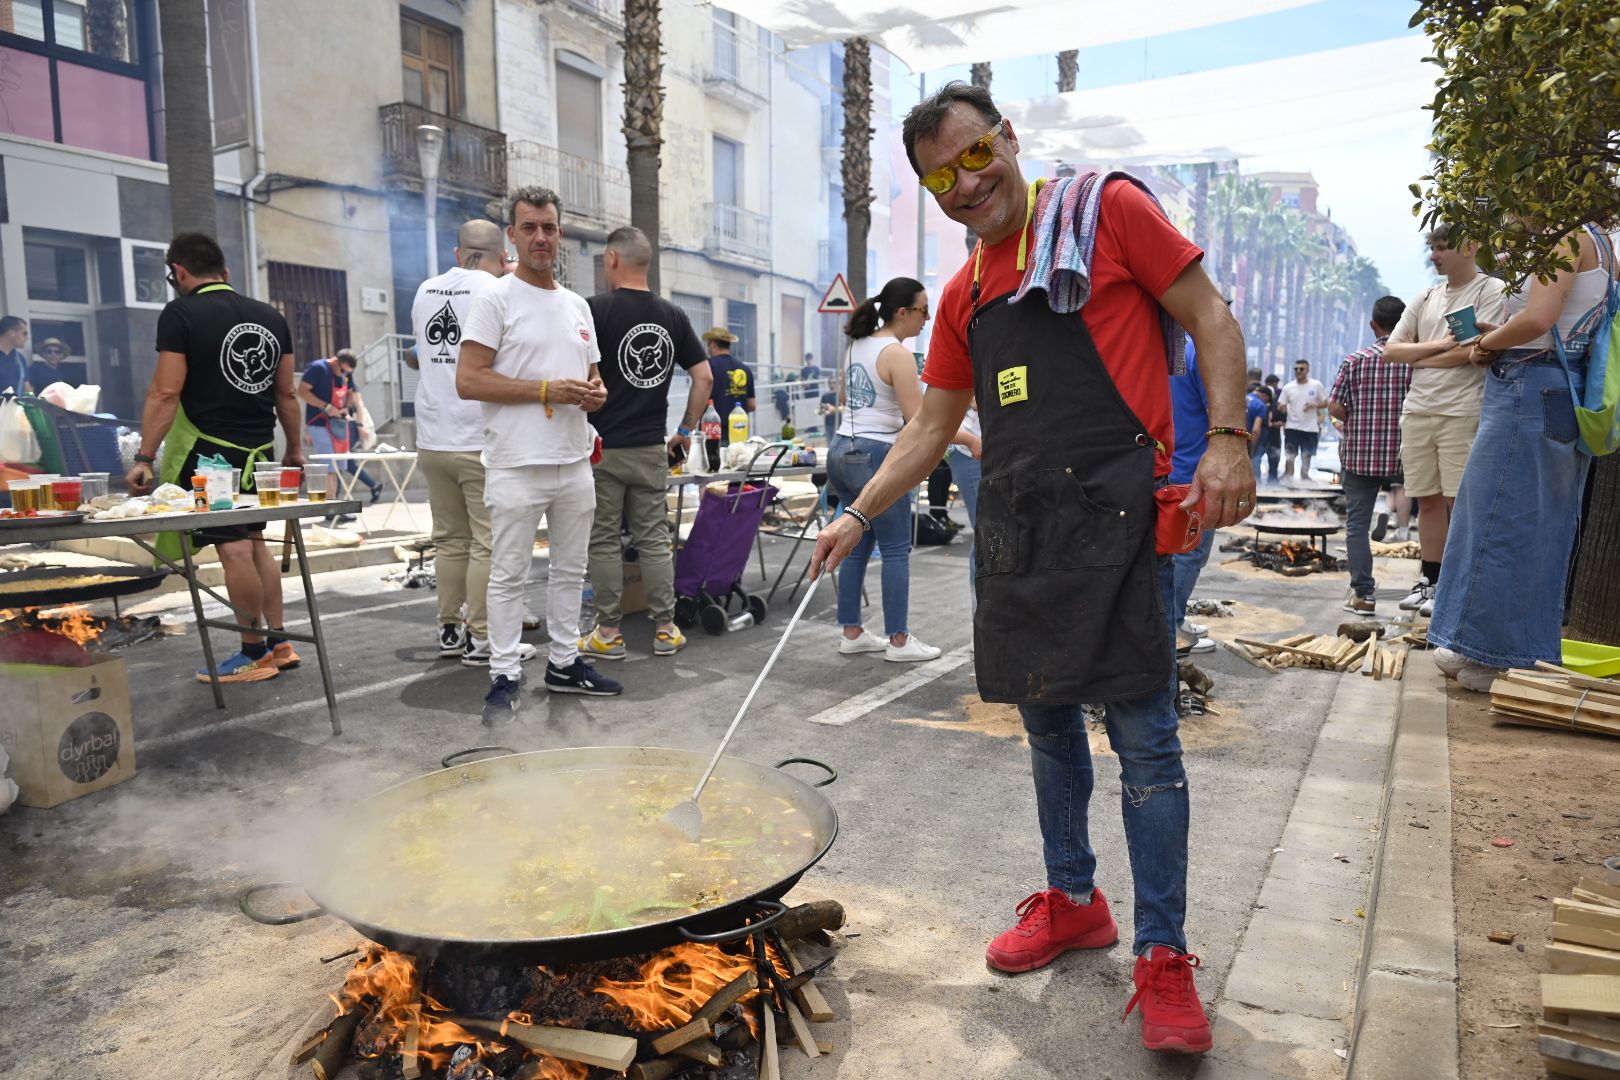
column 122, row 952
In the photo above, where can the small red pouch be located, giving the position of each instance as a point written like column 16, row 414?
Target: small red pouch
column 596, row 451
column 1178, row 531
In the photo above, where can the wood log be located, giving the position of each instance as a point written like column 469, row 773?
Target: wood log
column 703, row 1050
column 1575, row 678
column 409, row 1061
column 1302, row 652
column 801, row 1029
column 1570, row 958
column 614, row 1052
column 770, row 1061
column 334, row 1049
column 658, row 1068
column 809, row 995
column 698, row 1028
column 806, row 919
column 1598, row 891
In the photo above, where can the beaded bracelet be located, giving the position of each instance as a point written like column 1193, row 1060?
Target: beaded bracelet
column 866, row 522
column 1241, row 432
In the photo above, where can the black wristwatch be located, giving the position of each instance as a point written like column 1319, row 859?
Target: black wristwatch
column 146, row 459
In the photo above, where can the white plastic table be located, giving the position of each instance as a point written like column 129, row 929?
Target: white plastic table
column 387, row 459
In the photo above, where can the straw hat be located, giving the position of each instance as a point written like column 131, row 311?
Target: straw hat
column 58, row 342
column 720, row 333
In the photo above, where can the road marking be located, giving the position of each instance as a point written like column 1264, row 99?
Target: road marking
column 846, row 712
column 217, row 611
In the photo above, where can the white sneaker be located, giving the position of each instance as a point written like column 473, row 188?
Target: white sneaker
column 477, row 653
column 1420, row 592
column 1478, row 677
column 1403, row 536
column 1449, row 661
column 1199, row 645
column 867, row 642
column 531, row 621
column 1426, row 609
column 912, row 651
column 1192, row 629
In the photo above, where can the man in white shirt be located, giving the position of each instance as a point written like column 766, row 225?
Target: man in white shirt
column 449, row 436
column 1303, row 401
column 1441, row 414
column 529, row 353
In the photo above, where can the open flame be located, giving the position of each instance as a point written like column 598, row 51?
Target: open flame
column 74, row 622
column 675, row 984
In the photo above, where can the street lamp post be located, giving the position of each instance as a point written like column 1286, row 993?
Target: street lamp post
column 429, row 148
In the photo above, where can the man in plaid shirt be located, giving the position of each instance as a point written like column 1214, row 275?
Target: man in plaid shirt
column 1366, row 399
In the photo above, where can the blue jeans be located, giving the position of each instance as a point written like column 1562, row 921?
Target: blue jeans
column 965, row 471
column 1266, row 452
column 851, row 464
column 1360, row 496
column 1186, row 568
column 1501, row 598
column 1153, row 797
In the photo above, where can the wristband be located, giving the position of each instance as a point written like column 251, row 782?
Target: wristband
column 866, row 522
column 683, row 431
column 1240, row 432
column 146, row 459
column 545, row 396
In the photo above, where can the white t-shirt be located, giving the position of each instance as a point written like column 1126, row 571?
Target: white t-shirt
column 872, row 411
column 1455, row 391
column 536, row 334
column 1301, row 400
column 444, row 419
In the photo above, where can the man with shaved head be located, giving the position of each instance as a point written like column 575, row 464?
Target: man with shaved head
column 449, row 436
column 642, row 337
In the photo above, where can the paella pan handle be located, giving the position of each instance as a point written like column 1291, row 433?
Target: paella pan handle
column 832, row 773
column 777, row 911
column 449, row 760
column 245, row 902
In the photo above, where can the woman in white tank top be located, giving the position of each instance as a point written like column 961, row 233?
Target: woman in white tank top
column 881, row 392
column 1500, row 600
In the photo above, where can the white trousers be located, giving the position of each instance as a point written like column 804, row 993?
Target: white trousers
column 517, row 498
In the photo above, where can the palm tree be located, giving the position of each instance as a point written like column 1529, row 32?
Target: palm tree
column 644, row 118
column 1068, row 70
column 188, row 134
column 857, row 168
column 1234, row 200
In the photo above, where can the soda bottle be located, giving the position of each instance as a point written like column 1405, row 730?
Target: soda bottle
column 711, row 437
column 741, row 427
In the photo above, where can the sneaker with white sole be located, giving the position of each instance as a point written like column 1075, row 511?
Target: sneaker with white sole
column 1449, row 661
column 1478, row 677
column 1199, row 645
column 1192, row 629
column 668, row 643
column 1403, row 536
column 1360, row 605
column 580, row 678
column 477, row 652
column 531, row 621
column 1426, row 609
column 911, row 652
column 452, row 639
column 505, row 695
column 1420, row 592
column 597, row 647
column 867, row 642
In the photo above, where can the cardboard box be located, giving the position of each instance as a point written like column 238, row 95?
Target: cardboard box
column 633, row 600
column 68, row 730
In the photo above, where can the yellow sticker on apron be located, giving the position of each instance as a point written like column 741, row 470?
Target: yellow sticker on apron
column 1012, row 384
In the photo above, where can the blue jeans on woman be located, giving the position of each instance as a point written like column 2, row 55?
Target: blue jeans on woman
column 1153, row 797
column 965, row 472
column 1501, row 598
column 851, row 464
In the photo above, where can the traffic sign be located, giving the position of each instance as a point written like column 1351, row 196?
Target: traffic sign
column 839, row 300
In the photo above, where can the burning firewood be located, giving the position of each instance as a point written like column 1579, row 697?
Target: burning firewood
column 570, row 1044
column 809, row 996
column 334, row 1049
column 702, row 1025
column 706, row 1051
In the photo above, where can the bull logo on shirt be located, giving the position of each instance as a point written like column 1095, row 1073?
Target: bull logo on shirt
column 444, row 331
column 646, row 355
column 248, row 358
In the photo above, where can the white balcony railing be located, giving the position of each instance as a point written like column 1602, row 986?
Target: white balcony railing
column 592, row 192
column 738, row 67
column 610, row 12
column 739, row 233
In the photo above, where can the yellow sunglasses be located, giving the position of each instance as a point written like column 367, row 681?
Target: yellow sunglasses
column 973, row 159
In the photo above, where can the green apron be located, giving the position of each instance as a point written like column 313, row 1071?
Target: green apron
column 183, row 437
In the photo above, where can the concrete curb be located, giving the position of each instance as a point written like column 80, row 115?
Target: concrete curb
column 1287, row 1004
column 1406, row 1002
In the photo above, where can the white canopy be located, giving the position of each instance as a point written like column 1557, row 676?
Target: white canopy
column 1244, row 111
column 931, row 34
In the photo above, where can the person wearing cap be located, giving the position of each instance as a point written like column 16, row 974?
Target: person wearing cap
column 46, row 368
column 733, row 383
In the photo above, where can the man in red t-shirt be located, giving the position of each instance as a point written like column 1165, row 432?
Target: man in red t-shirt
column 1072, row 590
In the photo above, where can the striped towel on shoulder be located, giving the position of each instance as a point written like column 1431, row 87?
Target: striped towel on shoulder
column 1066, row 217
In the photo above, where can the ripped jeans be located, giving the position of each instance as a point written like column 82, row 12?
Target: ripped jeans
column 1153, row 796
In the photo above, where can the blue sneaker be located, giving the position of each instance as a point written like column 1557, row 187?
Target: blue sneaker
column 580, row 678
column 242, row 668
column 504, row 695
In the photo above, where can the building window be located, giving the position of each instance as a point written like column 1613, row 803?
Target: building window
column 56, row 272
column 428, row 57
column 71, row 71
column 742, row 319
column 579, row 111
column 315, row 303
column 699, row 310
column 728, row 165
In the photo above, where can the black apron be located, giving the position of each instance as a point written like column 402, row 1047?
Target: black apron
column 1069, row 608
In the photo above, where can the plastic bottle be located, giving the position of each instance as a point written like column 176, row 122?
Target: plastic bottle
column 712, row 436
column 741, row 427
column 788, row 431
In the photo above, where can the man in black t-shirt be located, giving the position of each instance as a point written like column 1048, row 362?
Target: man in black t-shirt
column 733, row 382
column 642, row 337
column 224, row 378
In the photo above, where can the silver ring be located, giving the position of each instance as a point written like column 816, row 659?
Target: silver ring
column 1241, row 503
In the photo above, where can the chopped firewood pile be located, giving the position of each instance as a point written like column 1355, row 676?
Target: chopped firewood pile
column 1555, row 697
column 1403, row 549
column 1580, row 1000
column 1339, row 652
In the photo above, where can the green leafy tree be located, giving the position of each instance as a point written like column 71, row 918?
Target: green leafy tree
column 1526, row 125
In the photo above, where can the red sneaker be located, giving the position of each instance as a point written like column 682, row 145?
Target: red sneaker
column 1173, row 1018
column 1049, row 925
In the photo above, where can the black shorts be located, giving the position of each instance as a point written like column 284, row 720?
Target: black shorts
column 1303, row 442
column 227, row 533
